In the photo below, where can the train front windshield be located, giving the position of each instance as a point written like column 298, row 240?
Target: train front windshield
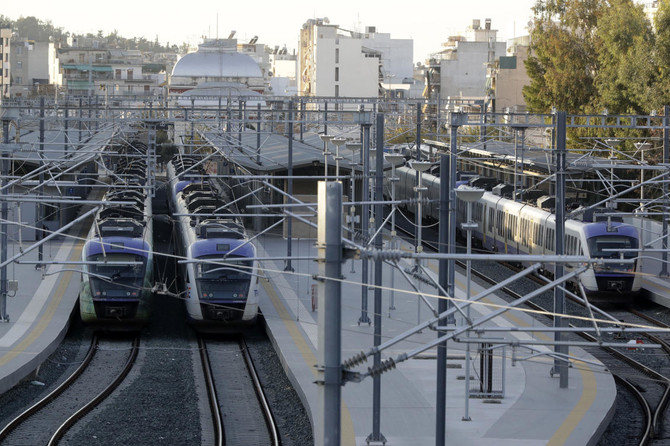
column 613, row 247
column 117, row 281
column 227, row 279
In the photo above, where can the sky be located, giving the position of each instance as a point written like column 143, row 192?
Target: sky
column 278, row 22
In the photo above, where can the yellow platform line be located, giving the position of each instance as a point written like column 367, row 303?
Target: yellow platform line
column 347, row 425
column 589, row 387
column 46, row 318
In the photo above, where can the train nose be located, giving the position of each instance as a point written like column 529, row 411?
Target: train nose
column 615, row 285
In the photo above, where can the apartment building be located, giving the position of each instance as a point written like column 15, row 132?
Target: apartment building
column 34, row 68
column 333, row 61
column 5, row 64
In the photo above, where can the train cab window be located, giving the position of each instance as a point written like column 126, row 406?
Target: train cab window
column 610, row 246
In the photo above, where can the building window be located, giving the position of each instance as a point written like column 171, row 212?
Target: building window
column 82, row 57
column 337, row 74
column 337, row 91
column 117, row 74
column 146, row 89
column 337, row 55
column 19, row 64
column 19, row 50
column 130, row 75
column 6, row 57
column 6, row 72
column 130, row 88
column 19, row 80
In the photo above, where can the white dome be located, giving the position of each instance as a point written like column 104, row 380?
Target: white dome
column 216, row 64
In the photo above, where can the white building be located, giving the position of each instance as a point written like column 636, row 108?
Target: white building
column 5, row 65
column 461, row 69
column 341, row 63
column 34, row 68
column 284, row 71
column 397, row 55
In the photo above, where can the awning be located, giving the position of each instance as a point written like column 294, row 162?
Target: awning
column 86, row 67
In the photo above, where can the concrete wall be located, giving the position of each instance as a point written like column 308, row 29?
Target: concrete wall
column 465, row 75
column 510, row 83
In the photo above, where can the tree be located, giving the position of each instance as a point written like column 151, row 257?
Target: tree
column 662, row 22
column 626, row 73
column 562, row 60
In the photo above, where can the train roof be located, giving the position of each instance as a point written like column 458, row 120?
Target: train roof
column 115, row 245
column 221, row 246
column 613, row 228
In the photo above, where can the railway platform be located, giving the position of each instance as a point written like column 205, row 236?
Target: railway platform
column 39, row 311
column 530, row 409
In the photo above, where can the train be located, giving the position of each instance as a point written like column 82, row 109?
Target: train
column 217, row 266
column 512, row 227
column 117, row 257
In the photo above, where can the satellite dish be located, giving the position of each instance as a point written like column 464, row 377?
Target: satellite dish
column 326, row 20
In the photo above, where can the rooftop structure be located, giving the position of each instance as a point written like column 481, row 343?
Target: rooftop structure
column 216, row 61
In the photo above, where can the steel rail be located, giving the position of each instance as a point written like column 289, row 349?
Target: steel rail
column 81, row 413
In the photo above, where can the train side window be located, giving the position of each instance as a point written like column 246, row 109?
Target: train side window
column 490, row 222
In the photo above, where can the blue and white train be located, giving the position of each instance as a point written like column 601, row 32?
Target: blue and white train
column 512, row 227
column 219, row 275
column 116, row 279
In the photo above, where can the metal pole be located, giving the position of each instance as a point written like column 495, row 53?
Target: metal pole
column 365, row 222
column 80, row 118
column 330, row 311
column 40, row 192
column 325, row 118
column 451, row 289
column 192, row 140
column 4, row 317
column 523, row 140
column 241, row 123
column 376, row 434
column 468, row 268
column 289, row 221
column 66, row 118
column 302, row 120
column 442, row 306
column 516, row 163
column 666, row 160
column 560, row 365
column 258, row 134
column 218, row 114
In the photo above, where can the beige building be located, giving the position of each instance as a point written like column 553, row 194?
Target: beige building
column 34, row 68
column 509, row 77
column 5, row 65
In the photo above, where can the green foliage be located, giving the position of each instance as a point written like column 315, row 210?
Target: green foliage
column 626, row 77
column 31, row 28
column 592, row 55
column 563, row 61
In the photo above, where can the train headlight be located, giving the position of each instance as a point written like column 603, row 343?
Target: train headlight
column 104, row 293
column 97, row 293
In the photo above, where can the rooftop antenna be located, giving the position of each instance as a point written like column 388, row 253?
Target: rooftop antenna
column 217, row 25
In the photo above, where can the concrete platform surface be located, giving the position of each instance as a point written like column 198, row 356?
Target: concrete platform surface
column 533, row 411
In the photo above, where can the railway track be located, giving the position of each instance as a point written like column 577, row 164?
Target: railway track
column 240, row 412
column 106, row 364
